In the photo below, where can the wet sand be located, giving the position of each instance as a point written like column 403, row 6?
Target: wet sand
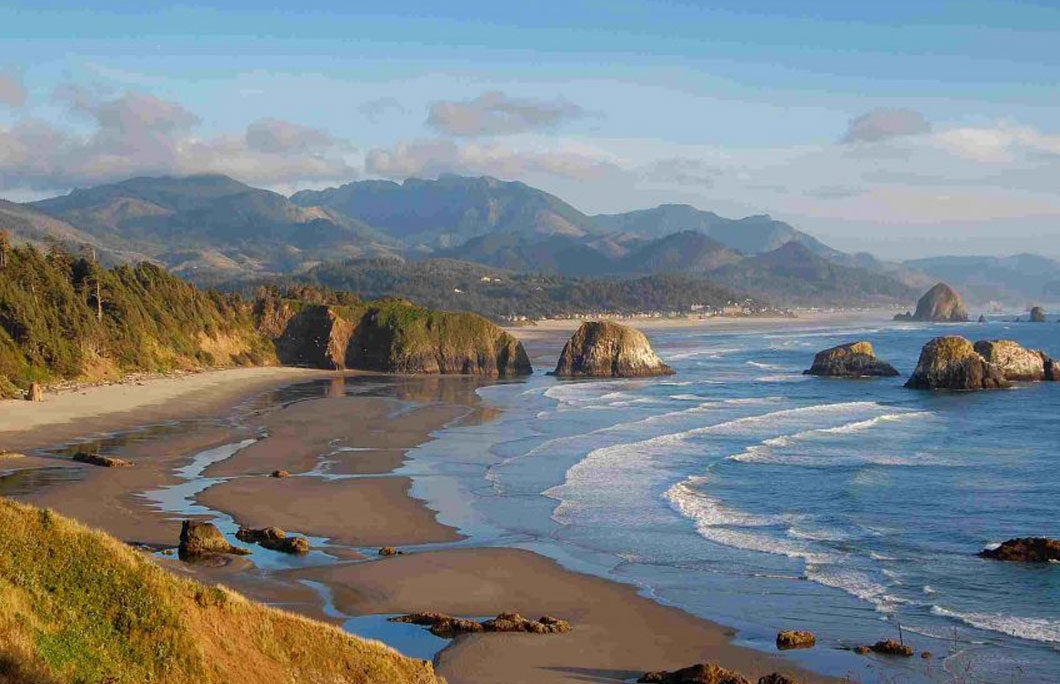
column 617, row 635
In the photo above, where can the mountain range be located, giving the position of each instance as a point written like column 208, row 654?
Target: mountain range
column 213, row 229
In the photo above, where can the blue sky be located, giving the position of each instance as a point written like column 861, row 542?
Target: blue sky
column 903, row 128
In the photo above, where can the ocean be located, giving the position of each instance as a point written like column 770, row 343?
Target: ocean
column 747, row 493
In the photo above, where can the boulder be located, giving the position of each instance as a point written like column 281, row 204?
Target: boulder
column 274, row 539
column 793, row 638
column 1037, row 315
column 279, row 473
column 1025, row 550
column 447, row 626
column 952, row 363
column 940, row 304
column 103, row 461
column 892, row 648
column 602, row 349
column 702, row 673
column 199, row 539
column 850, row 360
column 1013, row 360
column 390, row 551
column 36, row 392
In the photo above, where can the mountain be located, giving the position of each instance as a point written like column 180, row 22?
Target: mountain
column 684, row 252
column 1019, row 280
column 27, row 225
column 212, row 223
column 793, row 273
column 430, row 214
column 556, row 254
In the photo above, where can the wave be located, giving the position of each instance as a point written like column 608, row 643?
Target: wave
column 1030, row 628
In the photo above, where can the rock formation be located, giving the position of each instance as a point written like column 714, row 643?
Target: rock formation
column 35, row 393
column 1037, row 315
column 199, row 539
column 103, row 461
column 1025, row 550
column 982, row 318
column 851, row 360
column 448, row 626
column 792, row 638
column 274, row 539
column 940, row 304
column 601, row 349
column 709, row 673
column 1017, row 362
column 952, row 363
column 893, row 648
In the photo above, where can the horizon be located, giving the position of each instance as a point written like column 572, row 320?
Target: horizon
column 897, row 131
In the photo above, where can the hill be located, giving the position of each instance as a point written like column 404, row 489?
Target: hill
column 77, row 605
column 553, row 254
column 27, row 225
column 684, row 252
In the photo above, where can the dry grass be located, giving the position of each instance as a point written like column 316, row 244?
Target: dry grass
column 77, row 606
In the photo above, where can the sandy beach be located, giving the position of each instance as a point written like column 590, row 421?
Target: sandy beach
column 340, row 448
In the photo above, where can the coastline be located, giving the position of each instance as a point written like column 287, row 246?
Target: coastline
column 618, row 633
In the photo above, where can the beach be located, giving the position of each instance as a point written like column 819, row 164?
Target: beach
column 341, row 438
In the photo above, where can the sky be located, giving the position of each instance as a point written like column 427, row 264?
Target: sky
column 904, row 128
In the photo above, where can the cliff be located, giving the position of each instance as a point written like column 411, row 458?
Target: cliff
column 77, row 605
column 601, row 349
column 940, row 304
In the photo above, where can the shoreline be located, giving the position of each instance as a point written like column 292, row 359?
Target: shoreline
column 635, row 635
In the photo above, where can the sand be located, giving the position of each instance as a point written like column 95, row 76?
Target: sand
column 617, row 635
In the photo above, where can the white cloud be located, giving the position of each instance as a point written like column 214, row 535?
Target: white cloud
column 1002, row 143
column 275, row 136
column 884, row 124
column 494, row 113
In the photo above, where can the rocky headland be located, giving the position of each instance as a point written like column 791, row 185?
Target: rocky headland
column 602, row 349
column 850, row 360
column 940, row 304
column 953, row 363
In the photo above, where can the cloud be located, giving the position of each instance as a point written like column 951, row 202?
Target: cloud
column 12, row 92
column 432, row 157
column 376, row 110
column 494, row 113
column 140, row 134
column 681, row 171
column 1001, row 143
column 884, row 124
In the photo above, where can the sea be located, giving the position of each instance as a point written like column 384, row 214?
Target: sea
column 745, row 492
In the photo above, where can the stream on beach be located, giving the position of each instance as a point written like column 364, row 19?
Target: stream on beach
column 741, row 491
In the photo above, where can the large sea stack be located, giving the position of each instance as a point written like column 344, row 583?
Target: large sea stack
column 941, row 304
column 953, row 363
column 601, row 349
column 850, row 360
column 1016, row 362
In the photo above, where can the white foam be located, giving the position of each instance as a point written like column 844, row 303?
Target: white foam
column 1031, row 628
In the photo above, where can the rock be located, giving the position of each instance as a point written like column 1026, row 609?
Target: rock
column 982, row 318
column 97, row 460
column 952, row 363
column 776, row 678
column 862, row 650
column 892, row 648
column 602, row 349
column 390, row 551
column 279, row 473
column 274, row 539
column 703, row 673
column 791, row 638
column 441, row 624
column 1013, row 360
column 851, row 360
column 940, row 304
column 926, row 655
column 1025, row 550
column 36, row 392
column 1037, row 315
column 199, row 539
column 1052, row 370
column 447, row 626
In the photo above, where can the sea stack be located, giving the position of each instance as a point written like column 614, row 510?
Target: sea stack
column 1016, row 362
column 1037, row 315
column 953, row 363
column 850, row 360
column 601, row 349
column 940, row 304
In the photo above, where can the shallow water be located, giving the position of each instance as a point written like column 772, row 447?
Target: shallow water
column 749, row 493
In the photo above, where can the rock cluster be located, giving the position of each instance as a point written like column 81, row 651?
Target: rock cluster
column 940, row 304
column 851, row 360
column 448, row 626
column 103, row 461
column 793, row 638
column 602, row 349
column 709, row 673
column 274, row 539
column 1025, row 550
column 953, row 363
column 201, row 539
column 1017, row 362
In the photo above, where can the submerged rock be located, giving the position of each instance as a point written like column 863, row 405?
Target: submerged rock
column 1025, row 550
column 952, row 363
column 940, row 304
column 199, row 539
column 1015, row 361
column 851, row 360
column 1037, row 315
column 792, row 638
column 602, row 349
column 103, row 461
